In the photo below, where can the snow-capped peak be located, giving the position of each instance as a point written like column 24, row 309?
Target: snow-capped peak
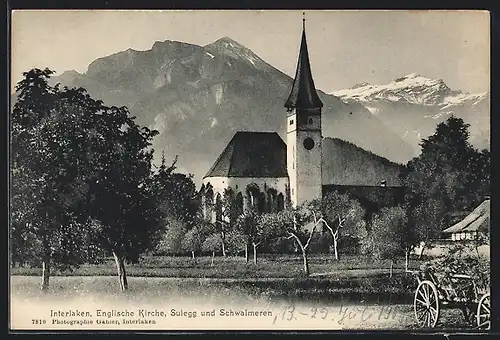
column 412, row 75
column 411, row 88
column 363, row 84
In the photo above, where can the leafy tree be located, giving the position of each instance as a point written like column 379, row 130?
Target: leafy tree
column 225, row 216
column 171, row 241
column 426, row 219
column 248, row 225
column 231, row 210
column 236, row 241
column 258, row 229
column 123, row 195
column 390, row 233
column 213, row 243
column 448, row 176
column 176, row 193
column 193, row 240
column 51, row 169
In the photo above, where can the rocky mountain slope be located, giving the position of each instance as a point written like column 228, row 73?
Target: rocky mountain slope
column 199, row 96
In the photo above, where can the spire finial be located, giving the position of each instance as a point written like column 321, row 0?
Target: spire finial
column 304, row 21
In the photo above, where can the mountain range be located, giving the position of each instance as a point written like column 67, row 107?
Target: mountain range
column 412, row 105
column 197, row 97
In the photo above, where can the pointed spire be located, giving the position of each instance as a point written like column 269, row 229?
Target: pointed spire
column 303, row 94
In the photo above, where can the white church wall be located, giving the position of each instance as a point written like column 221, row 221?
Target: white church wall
column 240, row 184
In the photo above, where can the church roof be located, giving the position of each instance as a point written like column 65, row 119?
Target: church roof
column 303, row 94
column 251, row 154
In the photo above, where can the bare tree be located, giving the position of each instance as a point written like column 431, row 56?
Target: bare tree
column 293, row 225
column 341, row 215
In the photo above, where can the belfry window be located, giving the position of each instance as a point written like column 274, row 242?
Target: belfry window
column 291, row 121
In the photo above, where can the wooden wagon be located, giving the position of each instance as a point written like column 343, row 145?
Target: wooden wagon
column 436, row 291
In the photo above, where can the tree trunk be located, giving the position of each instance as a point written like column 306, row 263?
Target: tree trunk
column 223, row 245
column 122, row 274
column 213, row 258
column 335, row 240
column 45, row 273
column 254, row 254
column 335, row 243
column 46, row 257
column 304, row 251
column 246, row 254
column 407, row 259
column 421, row 251
column 390, row 270
column 192, row 254
column 306, row 262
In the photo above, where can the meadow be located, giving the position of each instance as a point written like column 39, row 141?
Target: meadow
column 232, row 267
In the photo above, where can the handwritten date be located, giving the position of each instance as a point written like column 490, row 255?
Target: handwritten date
column 339, row 314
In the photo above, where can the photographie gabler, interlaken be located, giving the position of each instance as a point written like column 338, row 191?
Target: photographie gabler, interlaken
column 249, row 170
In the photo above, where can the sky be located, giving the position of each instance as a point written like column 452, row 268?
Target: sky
column 345, row 47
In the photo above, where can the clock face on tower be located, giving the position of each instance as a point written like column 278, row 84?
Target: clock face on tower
column 308, row 143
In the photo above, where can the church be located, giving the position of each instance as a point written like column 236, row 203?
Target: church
column 260, row 170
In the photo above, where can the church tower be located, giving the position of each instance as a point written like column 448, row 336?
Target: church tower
column 304, row 132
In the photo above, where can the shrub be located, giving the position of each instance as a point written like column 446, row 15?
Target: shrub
column 462, row 260
column 389, row 232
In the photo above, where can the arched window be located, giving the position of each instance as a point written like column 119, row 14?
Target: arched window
column 252, row 192
column 271, row 200
column 280, row 202
column 218, row 207
column 238, row 204
column 261, row 202
column 209, row 201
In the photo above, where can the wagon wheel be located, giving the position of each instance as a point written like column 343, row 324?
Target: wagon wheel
column 483, row 315
column 426, row 304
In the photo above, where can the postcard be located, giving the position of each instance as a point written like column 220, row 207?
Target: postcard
column 249, row 170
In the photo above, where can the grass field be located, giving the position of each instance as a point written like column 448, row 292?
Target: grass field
column 268, row 266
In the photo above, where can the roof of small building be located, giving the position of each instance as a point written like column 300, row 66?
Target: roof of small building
column 477, row 220
column 251, row 154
